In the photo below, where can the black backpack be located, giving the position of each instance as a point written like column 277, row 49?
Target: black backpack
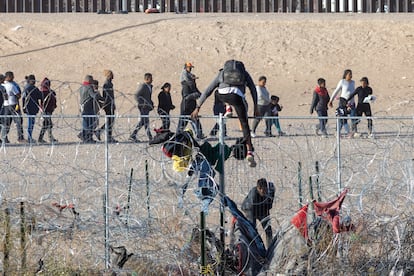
column 234, row 73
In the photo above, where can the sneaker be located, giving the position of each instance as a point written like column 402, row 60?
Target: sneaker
column 41, row 141
column 229, row 112
column 90, row 141
column 250, row 159
column 22, row 140
column 31, row 141
column 6, row 141
column 281, row 133
column 252, row 134
column 53, row 140
column 356, row 135
column 316, row 131
column 269, row 134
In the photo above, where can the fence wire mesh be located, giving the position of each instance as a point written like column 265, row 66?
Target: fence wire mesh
column 53, row 211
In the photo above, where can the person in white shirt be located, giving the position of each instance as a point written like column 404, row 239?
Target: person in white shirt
column 11, row 107
column 263, row 105
column 344, row 89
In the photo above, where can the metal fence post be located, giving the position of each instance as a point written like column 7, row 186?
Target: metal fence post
column 222, row 185
column 338, row 152
column 300, row 184
column 106, row 196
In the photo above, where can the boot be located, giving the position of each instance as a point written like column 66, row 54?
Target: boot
column 42, row 133
column 51, row 138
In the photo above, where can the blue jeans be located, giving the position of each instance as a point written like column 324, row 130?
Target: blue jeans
column 30, row 125
column 322, row 121
column 275, row 122
column 354, row 122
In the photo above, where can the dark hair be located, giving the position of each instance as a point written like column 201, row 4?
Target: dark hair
column 89, row 78
column 365, row 79
column 321, row 80
column 9, row 74
column 262, row 78
column 147, row 76
column 262, row 183
column 2, row 77
column 30, row 78
column 274, row 98
column 165, row 85
column 346, row 72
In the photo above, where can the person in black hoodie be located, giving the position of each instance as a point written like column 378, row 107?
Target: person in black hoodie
column 32, row 101
column 257, row 205
column 364, row 93
column 108, row 106
column 320, row 103
column 165, row 105
column 190, row 94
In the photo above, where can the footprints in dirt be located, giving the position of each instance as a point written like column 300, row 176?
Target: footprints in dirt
column 11, row 41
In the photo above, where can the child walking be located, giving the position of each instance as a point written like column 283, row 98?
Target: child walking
column 320, row 103
column 275, row 108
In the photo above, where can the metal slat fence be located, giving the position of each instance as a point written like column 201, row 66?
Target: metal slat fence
column 259, row 6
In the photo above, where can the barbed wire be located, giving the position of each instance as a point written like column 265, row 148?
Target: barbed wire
column 61, row 186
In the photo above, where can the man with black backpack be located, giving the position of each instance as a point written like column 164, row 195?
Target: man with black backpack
column 231, row 82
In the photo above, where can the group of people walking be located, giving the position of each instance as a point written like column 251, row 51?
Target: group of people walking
column 229, row 87
column 34, row 100
column 346, row 92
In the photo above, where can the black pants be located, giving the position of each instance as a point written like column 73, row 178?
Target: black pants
column 144, row 122
column 365, row 109
column 111, row 121
column 265, row 222
column 11, row 111
column 240, row 105
column 165, row 119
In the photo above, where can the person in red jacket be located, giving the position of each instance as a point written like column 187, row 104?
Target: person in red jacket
column 320, row 103
column 49, row 105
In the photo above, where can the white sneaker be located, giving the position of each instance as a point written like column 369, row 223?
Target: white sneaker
column 356, row 135
column 250, row 159
column 252, row 134
column 229, row 112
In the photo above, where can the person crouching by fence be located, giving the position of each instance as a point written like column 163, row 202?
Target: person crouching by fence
column 49, row 105
column 257, row 205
